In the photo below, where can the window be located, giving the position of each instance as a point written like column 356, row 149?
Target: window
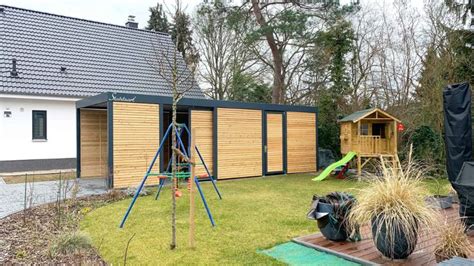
column 364, row 129
column 378, row 130
column 39, row 125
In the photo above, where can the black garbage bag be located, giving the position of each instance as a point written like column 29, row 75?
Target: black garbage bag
column 325, row 158
column 457, row 127
column 331, row 212
column 464, row 186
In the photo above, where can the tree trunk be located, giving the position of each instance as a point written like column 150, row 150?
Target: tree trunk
column 173, row 171
column 173, row 152
column 278, row 76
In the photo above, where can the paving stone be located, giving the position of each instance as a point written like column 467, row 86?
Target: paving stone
column 12, row 196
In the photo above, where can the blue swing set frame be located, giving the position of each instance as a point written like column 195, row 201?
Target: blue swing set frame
column 195, row 179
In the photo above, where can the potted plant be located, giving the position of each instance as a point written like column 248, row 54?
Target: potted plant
column 452, row 241
column 439, row 201
column 394, row 205
column 331, row 212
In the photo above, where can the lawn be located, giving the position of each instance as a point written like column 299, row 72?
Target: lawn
column 255, row 213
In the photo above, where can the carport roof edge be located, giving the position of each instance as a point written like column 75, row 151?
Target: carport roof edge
column 191, row 102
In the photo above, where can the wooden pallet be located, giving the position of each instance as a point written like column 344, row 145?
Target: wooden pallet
column 366, row 253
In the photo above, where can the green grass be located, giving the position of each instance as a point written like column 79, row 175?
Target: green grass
column 255, row 214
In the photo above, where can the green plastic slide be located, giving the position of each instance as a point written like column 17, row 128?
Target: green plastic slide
column 349, row 156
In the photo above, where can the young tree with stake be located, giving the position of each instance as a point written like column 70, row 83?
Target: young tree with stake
column 181, row 80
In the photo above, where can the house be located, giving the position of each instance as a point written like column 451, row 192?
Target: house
column 48, row 62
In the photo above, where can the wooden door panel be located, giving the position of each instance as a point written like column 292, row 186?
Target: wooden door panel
column 274, row 142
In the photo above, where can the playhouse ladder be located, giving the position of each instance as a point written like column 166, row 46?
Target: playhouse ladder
column 392, row 161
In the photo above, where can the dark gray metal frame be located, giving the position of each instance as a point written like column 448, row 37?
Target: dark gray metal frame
column 78, row 142
column 265, row 143
column 105, row 100
column 110, row 143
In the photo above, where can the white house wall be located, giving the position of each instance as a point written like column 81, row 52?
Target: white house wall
column 16, row 141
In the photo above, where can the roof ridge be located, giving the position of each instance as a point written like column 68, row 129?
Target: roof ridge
column 85, row 20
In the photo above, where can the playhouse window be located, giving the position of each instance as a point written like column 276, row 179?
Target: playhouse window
column 378, row 130
column 364, row 129
column 39, row 125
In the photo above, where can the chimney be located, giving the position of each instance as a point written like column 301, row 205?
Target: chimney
column 131, row 22
column 14, row 72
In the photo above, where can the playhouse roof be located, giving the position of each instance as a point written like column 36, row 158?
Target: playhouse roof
column 63, row 56
column 359, row 115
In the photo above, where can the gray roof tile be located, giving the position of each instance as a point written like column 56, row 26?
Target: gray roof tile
column 99, row 57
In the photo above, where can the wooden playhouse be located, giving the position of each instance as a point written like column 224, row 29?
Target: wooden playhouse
column 118, row 135
column 372, row 134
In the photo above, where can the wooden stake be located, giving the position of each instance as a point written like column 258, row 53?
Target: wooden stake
column 410, row 153
column 191, row 189
column 359, row 167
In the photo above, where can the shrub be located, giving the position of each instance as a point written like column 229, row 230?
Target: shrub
column 452, row 241
column 428, row 147
column 396, row 200
column 68, row 243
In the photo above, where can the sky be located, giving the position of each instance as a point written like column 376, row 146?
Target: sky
column 108, row 11
column 112, row 11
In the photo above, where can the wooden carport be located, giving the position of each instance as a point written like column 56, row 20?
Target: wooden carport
column 236, row 139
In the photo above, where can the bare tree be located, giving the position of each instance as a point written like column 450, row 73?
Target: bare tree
column 385, row 65
column 363, row 55
column 276, row 51
column 170, row 66
column 287, row 29
column 223, row 54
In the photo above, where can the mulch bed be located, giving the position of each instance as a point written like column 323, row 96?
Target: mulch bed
column 26, row 237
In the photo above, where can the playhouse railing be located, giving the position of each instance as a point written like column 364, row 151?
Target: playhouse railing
column 371, row 145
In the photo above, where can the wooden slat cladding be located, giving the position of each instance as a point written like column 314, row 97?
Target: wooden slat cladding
column 201, row 122
column 93, row 143
column 239, row 143
column 274, row 142
column 301, row 142
column 136, row 140
column 346, row 137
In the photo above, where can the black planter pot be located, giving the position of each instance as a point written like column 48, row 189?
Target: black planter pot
column 439, row 201
column 401, row 247
column 331, row 228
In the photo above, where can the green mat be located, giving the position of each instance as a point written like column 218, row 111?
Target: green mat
column 295, row 254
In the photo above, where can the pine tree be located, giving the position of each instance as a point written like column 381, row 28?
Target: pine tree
column 181, row 33
column 336, row 44
column 158, row 20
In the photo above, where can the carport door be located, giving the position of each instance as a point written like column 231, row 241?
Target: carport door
column 274, row 143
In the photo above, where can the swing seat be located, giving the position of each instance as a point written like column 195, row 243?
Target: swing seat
column 158, row 175
column 203, row 176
